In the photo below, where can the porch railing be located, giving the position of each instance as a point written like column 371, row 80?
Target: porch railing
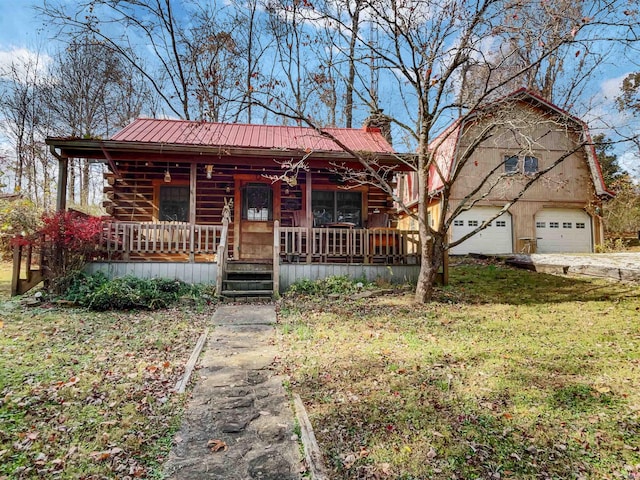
column 375, row 245
column 128, row 238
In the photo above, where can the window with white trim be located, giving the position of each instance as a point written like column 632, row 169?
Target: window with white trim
column 541, row 224
column 580, row 225
column 472, row 223
column 567, row 225
column 458, row 223
column 501, row 223
column 554, row 225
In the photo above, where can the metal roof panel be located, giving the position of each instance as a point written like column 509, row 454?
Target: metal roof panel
column 182, row 132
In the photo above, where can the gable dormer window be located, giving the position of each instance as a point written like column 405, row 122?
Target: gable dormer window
column 515, row 164
column 530, row 165
column 511, row 164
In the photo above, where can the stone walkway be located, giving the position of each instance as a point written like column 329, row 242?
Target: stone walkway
column 240, row 401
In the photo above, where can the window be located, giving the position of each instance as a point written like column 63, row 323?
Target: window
column 554, row 225
column 566, row 224
column 530, row 165
column 458, row 223
column 541, row 224
column 511, row 164
column 472, row 223
column 330, row 206
column 174, row 204
column 501, row 223
column 580, row 225
column 257, row 202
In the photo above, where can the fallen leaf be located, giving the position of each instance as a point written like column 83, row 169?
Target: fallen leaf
column 349, row 461
column 217, row 445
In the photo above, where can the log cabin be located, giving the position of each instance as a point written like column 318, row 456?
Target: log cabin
column 251, row 208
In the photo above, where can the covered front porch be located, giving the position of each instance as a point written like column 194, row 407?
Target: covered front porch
column 197, row 253
column 201, row 253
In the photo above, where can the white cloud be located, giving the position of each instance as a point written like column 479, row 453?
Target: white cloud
column 611, row 87
column 630, row 161
column 24, row 62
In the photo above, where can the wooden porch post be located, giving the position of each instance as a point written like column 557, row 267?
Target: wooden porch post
column 192, row 210
column 63, row 173
column 276, row 258
column 17, row 261
column 309, row 216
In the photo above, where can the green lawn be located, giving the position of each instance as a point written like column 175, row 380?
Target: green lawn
column 5, row 280
column 87, row 395
column 508, row 374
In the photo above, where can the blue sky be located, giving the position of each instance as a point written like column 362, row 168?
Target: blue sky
column 18, row 24
column 21, row 32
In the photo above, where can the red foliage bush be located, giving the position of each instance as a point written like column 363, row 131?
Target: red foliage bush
column 67, row 241
column 72, row 231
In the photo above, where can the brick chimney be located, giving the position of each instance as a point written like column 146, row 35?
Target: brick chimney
column 379, row 121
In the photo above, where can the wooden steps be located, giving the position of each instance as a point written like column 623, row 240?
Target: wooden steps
column 248, row 280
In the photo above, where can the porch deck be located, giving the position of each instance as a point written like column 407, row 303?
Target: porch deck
column 200, row 253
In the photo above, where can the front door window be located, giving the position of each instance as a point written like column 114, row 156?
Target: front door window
column 257, row 202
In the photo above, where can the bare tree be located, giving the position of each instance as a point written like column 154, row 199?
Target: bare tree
column 89, row 92
column 427, row 47
column 212, row 57
column 21, row 106
column 178, row 48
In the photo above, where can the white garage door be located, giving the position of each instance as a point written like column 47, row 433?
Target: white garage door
column 494, row 239
column 563, row 230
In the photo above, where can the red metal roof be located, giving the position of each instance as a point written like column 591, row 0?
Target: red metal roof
column 182, row 132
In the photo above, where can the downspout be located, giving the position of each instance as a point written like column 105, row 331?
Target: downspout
column 63, row 169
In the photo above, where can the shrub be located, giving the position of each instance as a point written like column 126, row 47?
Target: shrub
column 612, row 245
column 338, row 284
column 131, row 293
column 17, row 217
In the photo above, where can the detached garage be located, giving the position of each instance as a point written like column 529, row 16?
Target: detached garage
column 563, row 230
column 495, row 239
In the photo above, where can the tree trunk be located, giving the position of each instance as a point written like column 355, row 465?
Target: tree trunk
column 84, row 184
column 432, row 256
column 355, row 25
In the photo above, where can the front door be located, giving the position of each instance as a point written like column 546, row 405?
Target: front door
column 256, row 224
